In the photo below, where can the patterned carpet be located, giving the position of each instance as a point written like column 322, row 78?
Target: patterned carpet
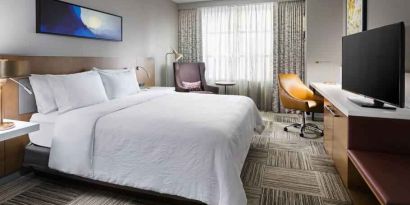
column 281, row 169
column 285, row 169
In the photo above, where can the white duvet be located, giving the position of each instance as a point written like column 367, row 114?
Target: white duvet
column 188, row 145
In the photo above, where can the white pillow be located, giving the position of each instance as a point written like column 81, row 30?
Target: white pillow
column 43, row 94
column 77, row 90
column 119, row 82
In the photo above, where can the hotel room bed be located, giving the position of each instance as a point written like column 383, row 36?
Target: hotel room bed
column 185, row 145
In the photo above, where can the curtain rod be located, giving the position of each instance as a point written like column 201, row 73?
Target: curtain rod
column 195, row 5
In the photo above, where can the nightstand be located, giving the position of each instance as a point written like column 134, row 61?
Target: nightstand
column 21, row 128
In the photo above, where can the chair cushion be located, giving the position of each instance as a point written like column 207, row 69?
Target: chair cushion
column 192, row 86
column 388, row 175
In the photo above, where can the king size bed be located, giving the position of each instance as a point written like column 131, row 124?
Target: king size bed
column 185, row 145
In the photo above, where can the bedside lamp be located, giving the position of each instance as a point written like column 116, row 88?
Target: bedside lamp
column 177, row 56
column 8, row 70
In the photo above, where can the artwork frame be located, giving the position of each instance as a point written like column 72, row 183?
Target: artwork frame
column 90, row 29
column 356, row 16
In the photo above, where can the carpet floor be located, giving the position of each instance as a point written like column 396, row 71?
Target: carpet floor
column 281, row 169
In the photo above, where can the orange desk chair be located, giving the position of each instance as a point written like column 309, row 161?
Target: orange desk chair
column 295, row 95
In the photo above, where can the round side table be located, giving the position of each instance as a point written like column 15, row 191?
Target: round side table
column 225, row 84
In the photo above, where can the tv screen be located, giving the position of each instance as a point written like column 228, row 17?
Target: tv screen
column 373, row 64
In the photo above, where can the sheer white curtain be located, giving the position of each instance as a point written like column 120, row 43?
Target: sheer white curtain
column 237, row 45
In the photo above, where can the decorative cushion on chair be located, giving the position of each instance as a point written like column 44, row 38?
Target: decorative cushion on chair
column 192, row 86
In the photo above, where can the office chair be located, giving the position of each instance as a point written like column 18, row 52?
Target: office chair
column 295, row 95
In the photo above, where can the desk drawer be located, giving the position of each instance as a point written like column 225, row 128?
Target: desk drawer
column 340, row 140
column 328, row 128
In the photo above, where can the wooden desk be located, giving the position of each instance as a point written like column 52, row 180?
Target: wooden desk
column 350, row 126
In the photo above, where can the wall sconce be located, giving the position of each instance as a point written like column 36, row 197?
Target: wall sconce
column 140, row 68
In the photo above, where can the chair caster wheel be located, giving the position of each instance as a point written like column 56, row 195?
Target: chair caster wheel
column 302, row 135
column 285, row 129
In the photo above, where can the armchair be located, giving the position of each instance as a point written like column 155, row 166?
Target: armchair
column 192, row 72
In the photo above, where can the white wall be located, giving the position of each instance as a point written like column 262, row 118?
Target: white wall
column 382, row 12
column 324, row 31
column 150, row 29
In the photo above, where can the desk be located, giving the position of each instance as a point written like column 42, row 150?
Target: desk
column 348, row 126
column 339, row 98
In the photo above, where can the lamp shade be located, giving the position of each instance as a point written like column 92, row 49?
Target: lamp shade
column 177, row 55
column 13, row 68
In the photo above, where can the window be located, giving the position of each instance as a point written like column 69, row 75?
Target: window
column 237, row 42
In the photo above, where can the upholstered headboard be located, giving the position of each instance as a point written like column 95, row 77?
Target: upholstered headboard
column 20, row 105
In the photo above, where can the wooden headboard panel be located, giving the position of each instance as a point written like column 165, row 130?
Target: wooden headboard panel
column 69, row 65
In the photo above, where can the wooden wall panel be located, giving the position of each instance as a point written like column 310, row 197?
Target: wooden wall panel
column 13, row 149
column 68, row 65
column 14, row 153
column 149, row 64
column 2, row 159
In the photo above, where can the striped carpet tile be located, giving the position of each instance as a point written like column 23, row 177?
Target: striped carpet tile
column 322, row 163
column 332, row 186
column 294, row 180
column 45, row 194
column 288, row 159
column 103, row 198
column 16, row 187
column 278, row 197
column 253, row 173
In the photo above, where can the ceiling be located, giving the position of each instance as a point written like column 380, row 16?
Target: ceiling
column 187, row 1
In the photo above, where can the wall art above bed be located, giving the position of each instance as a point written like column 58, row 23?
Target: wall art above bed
column 62, row 18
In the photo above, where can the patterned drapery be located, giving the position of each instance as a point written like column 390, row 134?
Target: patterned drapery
column 189, row 35
column 290, row 44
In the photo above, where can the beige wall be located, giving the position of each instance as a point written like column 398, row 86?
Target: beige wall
column 324, row 33
column 326, row 26
column 149, row 30
column 382, row 12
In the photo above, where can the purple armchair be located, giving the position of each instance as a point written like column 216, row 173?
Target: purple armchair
column 192, row 72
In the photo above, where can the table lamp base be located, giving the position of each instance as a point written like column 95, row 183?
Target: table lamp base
column 6, row 126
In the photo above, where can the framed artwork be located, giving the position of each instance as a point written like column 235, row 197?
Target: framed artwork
column 356, row 16
column 62, row 18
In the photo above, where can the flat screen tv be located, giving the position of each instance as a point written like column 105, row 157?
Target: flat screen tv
column 373, row 65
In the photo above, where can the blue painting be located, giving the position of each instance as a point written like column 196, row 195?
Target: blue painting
column 61, row 18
